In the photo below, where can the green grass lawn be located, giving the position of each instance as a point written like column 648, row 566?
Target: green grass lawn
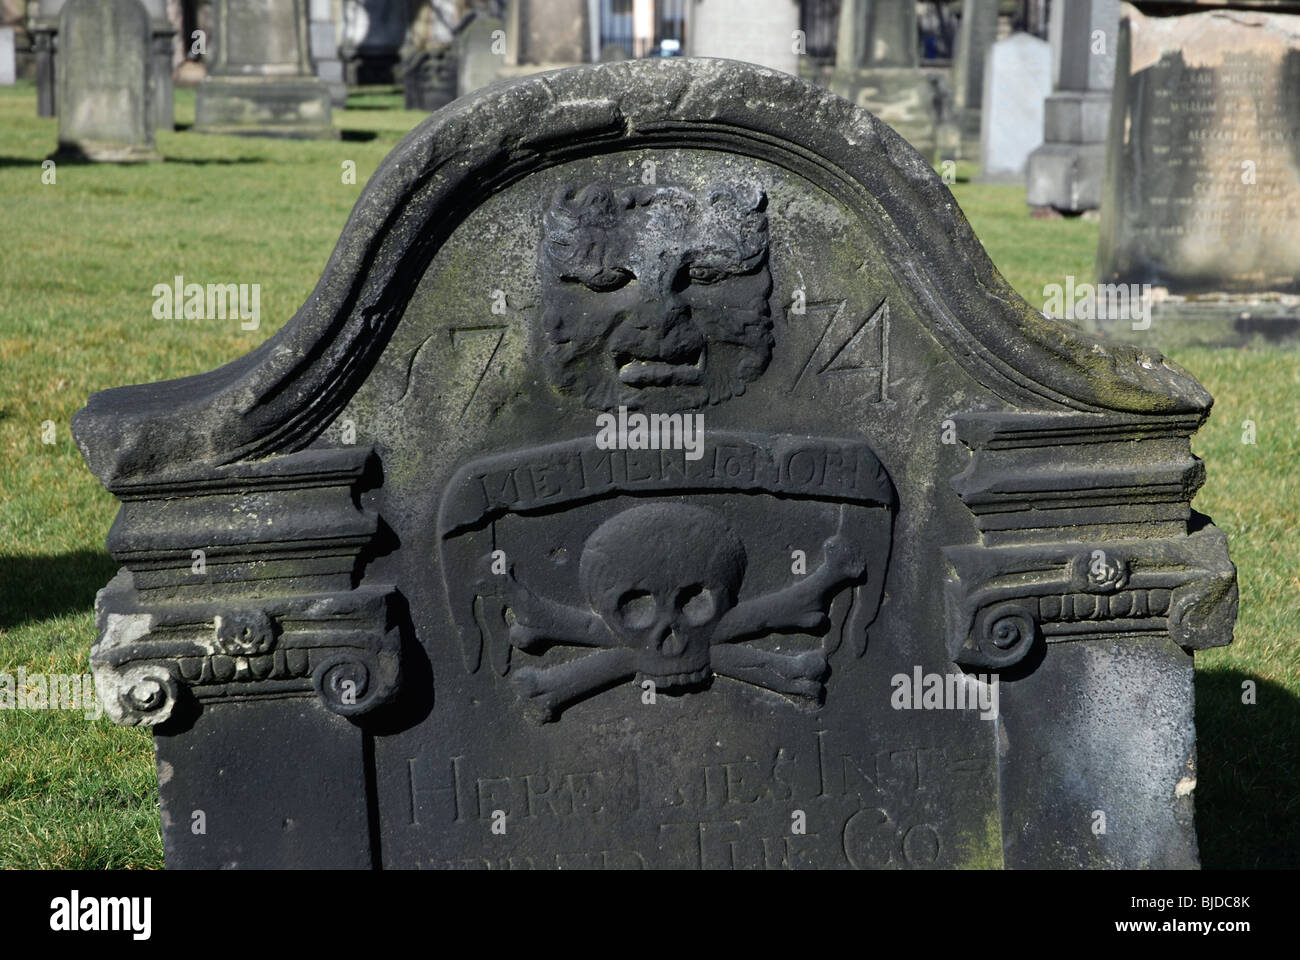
column 78, row 262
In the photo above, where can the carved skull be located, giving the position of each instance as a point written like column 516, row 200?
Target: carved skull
column 661, row 576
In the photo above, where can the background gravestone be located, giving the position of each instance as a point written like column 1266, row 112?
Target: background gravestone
column 756, row 31
column 1066, row 172
column 435, row 600
column 325, row 52
column 8, row 68
column 429, row 71
column 105, row 107
column 162, row 40
column 1017, row 81
column 978, row 31
column 260, row 80
column 545, row 34
column 44, row 30
column 877, row 67
column 1203, row 178
column 476, row 63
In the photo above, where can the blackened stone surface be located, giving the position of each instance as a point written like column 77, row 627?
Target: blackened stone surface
column 904, row 469
column 1203, row 179
column 105, row 99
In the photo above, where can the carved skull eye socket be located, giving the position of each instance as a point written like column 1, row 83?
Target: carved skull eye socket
column 697, row 604
column 705, row 275
column 609, row 280
column 636, row 608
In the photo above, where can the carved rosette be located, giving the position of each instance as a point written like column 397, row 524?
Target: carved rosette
column 267, row 609
column 1037, row 482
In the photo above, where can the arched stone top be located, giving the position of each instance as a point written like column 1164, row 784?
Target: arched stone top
column 279, row 397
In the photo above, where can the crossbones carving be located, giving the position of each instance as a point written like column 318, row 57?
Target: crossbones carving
column 662, row 581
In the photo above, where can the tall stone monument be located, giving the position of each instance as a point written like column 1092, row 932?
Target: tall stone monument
column 260, row 79
column 325, row 51
column 1202, row 195
column 978, row 31
column 1065, row 174
column 162, row 41
column 582, row 518
column 106, row 109
column 877, row 67
column 44, row 30
column 1017, row 83
column 755, row 31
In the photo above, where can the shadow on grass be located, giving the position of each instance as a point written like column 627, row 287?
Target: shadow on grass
column 213, row 161
column 359, row 136
column 34, row 588
column 1248, row 759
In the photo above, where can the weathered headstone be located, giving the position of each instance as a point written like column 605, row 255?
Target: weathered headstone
column 105, row 105
column 755, row 31
column 44, row 30
column 1066, row 172
column 877, row 66
column 373, row 33
column 325, row 51
column 8, row 63
column 260, row 80
column 1017, row 82
column 480, row 53
column 413, row 584
column 1202, row 194
column 979, row 30
column 542, row 34
column 429, row 72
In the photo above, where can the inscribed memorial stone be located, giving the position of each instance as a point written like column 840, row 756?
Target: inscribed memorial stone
column 1203, row 175
column 582, row 520
column 105, row 105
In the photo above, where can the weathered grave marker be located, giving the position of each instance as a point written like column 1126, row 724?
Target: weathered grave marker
column 605, row 506
column 1203, row 179
column 1017, row 82
column 105, row 100
column 260, row 79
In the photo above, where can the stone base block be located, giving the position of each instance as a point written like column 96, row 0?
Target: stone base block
column 1076, row 117
column 1066, row 176
column 1215, row 320
column 295, row 107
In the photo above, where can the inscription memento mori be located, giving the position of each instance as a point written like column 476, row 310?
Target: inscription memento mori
column 513, row 644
